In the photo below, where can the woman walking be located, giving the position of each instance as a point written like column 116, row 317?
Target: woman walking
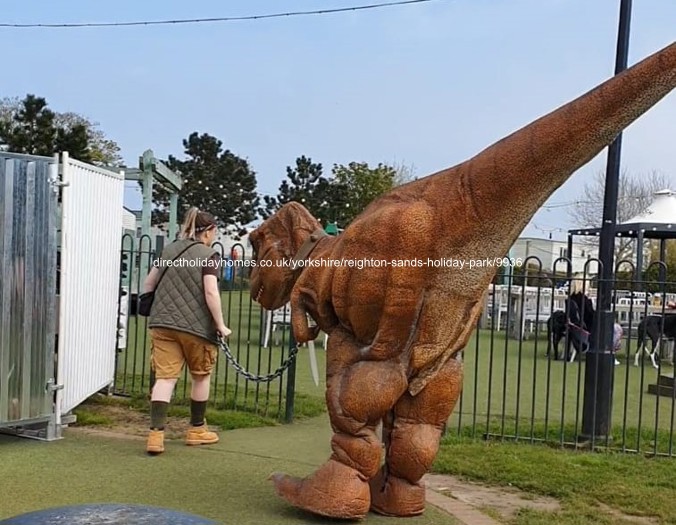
column 185, row 323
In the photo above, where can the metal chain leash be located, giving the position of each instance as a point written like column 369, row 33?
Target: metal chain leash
column 258, row 379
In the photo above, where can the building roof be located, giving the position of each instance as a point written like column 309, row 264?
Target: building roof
column 541, row 239
column 661, row 211
column 658, row 221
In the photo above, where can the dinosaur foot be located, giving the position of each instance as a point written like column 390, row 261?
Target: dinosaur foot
column 334, row 490
column 396, row 497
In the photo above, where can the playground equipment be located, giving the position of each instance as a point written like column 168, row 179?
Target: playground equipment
column 152, row 171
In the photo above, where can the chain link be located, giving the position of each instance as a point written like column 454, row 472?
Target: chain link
column 258, row 379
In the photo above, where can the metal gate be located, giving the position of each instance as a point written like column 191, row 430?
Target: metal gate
column 28, row 203
column 91, row 222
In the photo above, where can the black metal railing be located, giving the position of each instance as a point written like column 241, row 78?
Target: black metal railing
column 244, row 379
column 525, row 362
column 516, row 389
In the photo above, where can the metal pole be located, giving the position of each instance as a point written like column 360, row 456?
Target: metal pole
column 145, row 163
column 290, row 382
column 173, row 216
column 600, row 367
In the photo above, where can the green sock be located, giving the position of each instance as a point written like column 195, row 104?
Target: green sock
column 158, row 414
column 197, row 411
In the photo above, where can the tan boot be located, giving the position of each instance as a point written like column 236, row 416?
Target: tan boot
column 200, row 435
column 155, row 444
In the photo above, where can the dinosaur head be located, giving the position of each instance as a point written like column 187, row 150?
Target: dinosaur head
column 275, row 243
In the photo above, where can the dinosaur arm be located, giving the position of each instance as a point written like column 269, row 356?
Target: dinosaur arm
column 303, row 303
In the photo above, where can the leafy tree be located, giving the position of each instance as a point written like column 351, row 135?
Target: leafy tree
column 340, row 198
column 214, row 180
column 102, row 150
column 29, row 126
column 306, row 184
column 357, row 185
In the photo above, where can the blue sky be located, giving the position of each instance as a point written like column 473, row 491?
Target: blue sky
column 425, row 85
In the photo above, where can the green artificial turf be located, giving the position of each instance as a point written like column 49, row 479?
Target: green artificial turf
column 226, row 482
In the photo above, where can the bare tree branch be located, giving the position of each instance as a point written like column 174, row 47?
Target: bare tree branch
column 404, row 173
column 635, row 194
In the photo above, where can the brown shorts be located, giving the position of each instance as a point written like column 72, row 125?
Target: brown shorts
column 171, row 349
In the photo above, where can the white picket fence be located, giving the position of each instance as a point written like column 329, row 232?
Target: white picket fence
column 91, row 223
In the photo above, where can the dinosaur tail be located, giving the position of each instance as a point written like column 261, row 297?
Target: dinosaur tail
column 526, row 167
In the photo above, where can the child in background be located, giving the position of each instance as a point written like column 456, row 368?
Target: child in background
column 618, row 332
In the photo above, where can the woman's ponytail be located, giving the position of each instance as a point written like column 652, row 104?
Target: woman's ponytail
column 188, row 226
column 195, row 222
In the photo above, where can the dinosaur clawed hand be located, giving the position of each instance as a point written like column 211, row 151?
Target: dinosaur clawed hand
column 309, row 333
column 334, row 490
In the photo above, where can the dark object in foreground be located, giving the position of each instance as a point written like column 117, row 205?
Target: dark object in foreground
column 108, row 514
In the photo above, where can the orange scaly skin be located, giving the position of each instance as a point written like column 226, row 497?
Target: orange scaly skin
column 393, row 331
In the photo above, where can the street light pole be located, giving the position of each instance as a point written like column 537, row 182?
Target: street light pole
column 600, row 361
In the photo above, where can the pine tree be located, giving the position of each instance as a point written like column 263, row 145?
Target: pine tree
column 31, row 129
column 215, row 181
column 305, row 184
column 29, row 126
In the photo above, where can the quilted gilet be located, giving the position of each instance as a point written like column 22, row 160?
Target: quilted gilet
column 179, row 301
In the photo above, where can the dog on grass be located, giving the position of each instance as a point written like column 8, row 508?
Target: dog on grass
column 557, row 327
column 654, row 327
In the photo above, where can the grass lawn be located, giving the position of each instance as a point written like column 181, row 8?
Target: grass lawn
column 592, row 488
column 509, row 388
column 235, row 401
column 226, row 482
column 229, row 389
column 512, row 388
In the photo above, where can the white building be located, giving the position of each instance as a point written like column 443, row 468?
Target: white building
column 129, row 221
column 547, row 251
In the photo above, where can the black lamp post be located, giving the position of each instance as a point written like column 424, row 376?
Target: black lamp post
column 600, row 361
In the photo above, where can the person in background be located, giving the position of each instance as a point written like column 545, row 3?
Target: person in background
column 584, row 304
column 185, row 322
column 580, row 309
column 618, row 332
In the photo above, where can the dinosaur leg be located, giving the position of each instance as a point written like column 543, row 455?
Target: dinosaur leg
column 411, row 432
column 359, row 394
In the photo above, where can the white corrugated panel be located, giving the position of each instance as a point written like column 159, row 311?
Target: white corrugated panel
column 90, row 269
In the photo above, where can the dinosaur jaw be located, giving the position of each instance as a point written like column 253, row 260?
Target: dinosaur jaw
column 272, row 292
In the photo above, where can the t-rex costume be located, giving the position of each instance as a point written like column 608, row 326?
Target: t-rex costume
column 394, row 330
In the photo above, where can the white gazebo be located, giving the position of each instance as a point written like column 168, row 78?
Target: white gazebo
column 658, row 222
